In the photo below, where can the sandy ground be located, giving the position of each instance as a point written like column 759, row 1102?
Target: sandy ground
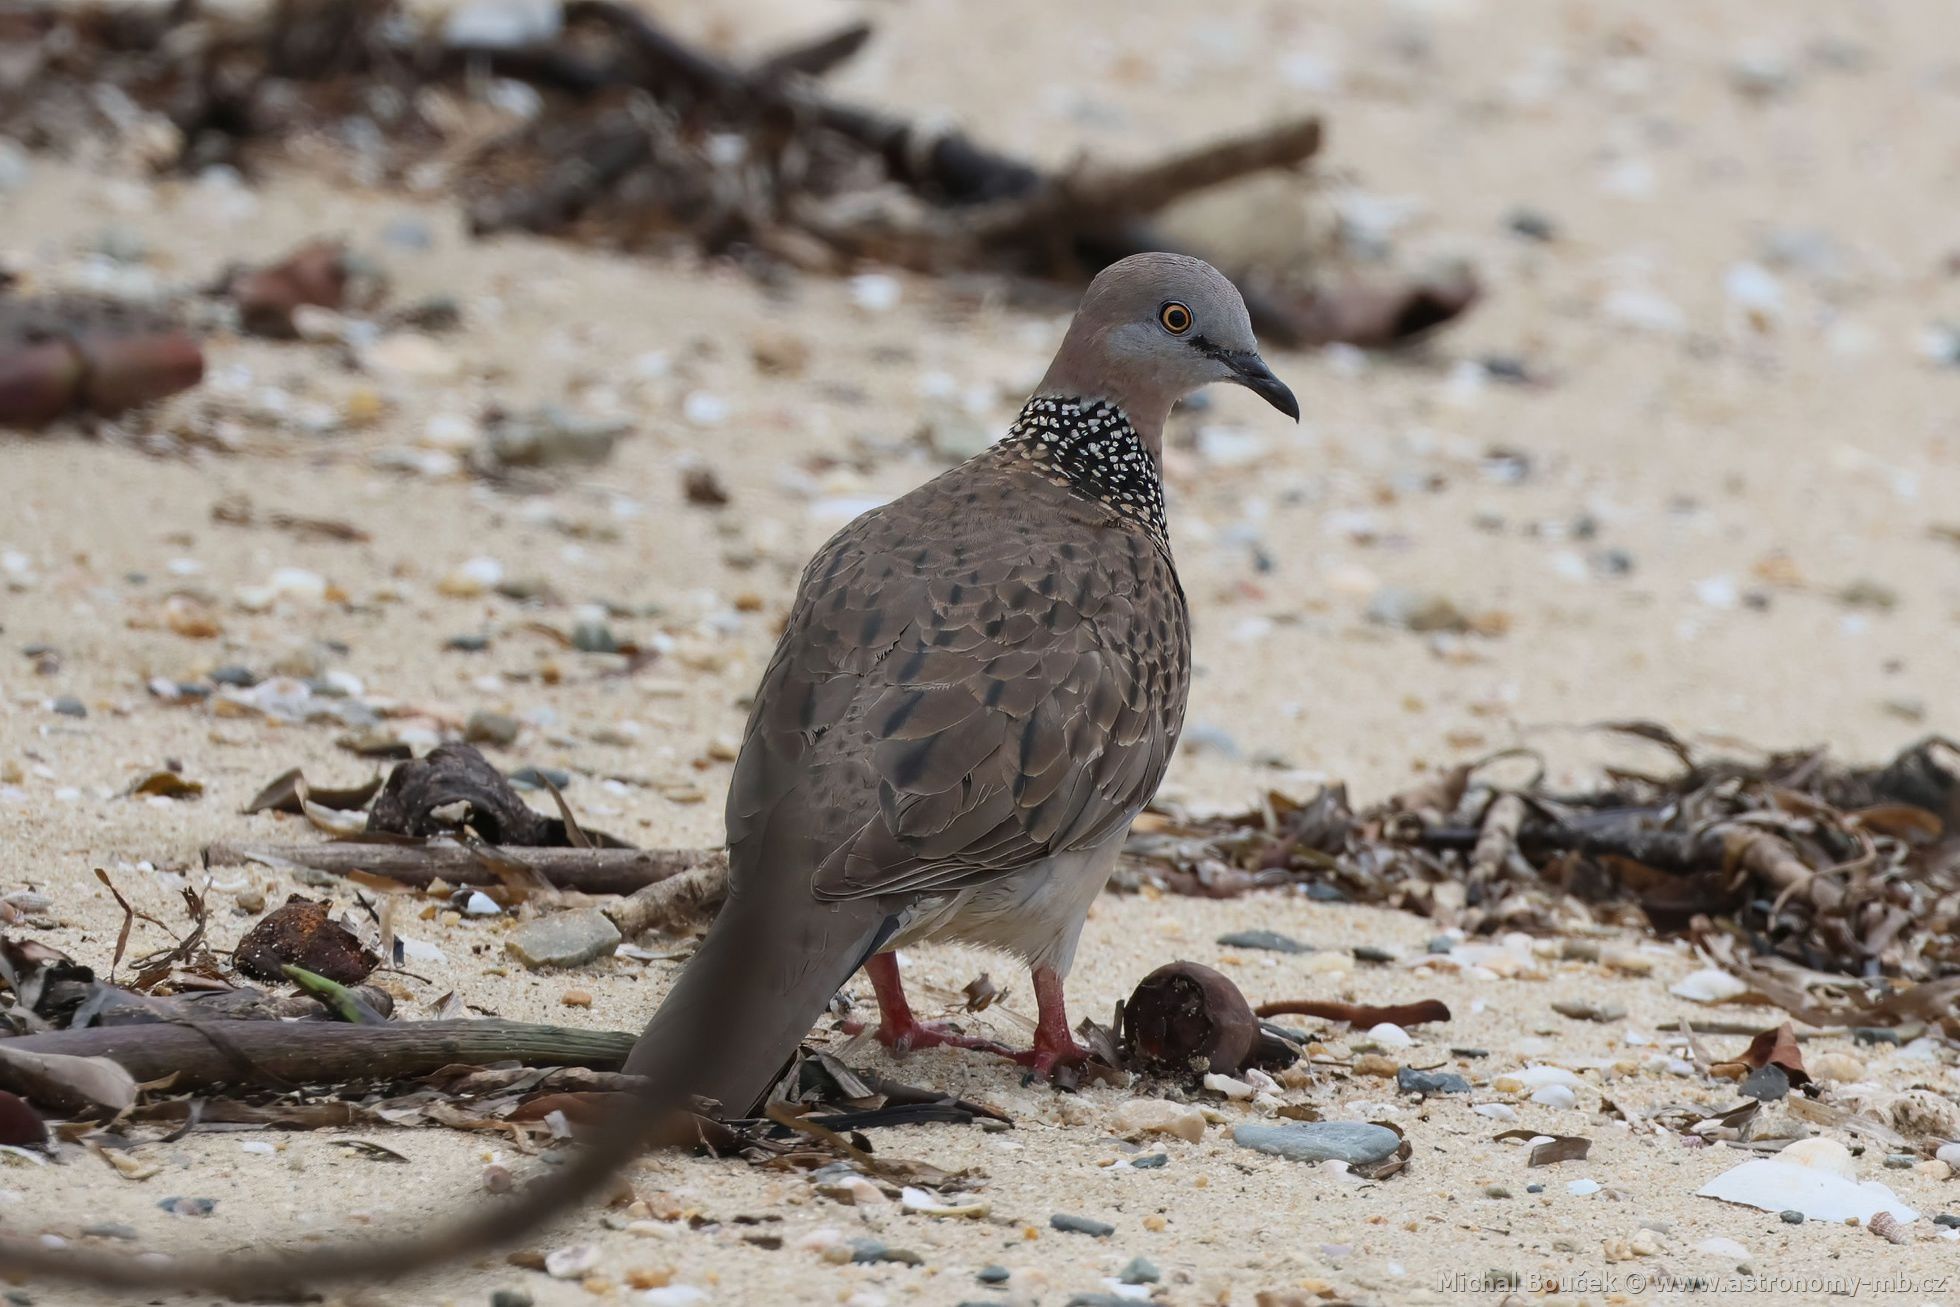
column 1719, row 509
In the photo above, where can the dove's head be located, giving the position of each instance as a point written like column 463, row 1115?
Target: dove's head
column 1153, row 328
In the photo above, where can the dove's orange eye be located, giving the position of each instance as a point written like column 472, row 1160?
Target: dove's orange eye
column 1175, row 317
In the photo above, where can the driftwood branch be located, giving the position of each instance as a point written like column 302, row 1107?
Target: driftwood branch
column 1105, row 196
column 675, row 903
column 311, row 1052
column 593, row 871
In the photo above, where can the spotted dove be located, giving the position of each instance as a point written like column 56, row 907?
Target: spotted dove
column 979, row 688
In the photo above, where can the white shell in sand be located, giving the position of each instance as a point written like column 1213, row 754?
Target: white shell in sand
column 1812, row 1176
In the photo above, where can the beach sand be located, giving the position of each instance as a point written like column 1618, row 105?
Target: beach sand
column 1719, row 506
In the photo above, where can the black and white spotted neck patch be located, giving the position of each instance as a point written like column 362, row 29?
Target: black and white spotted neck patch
column 1090, row 446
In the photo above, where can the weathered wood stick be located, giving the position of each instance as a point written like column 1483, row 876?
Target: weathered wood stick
column 1104, row 195
column 595, row 871
column 674, row 903
column 319, row 1052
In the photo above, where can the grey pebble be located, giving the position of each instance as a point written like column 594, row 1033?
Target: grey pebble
column 1534, row 1188
column 1531, row 224
column 1369, row 953
column 1411, row 1081
column 594, row 637
column 992, row 1275
column 1353, row 1142
column 69, row 706
column 1496, row 1191
column 1900, row 1161
column 407, row 234
column 1329, row 894
column 1150, row 1161
column 1767, row 1083
column 1140, row 1271
column 1947, row 1219
column 1791, row 1216
column 110, row 1230
column 467, row 643
column 188, row 1206
column 563, row 939
column 243, row 678
column 1874, row 1035
column 870, row 1250
column 1080, row 1225
column 1269, row 940
column 511, row 1298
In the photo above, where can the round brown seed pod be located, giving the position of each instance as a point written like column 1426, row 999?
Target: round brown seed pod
column 1184, row 1016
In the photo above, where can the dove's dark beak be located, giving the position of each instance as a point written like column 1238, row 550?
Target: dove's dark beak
column 1250, row 371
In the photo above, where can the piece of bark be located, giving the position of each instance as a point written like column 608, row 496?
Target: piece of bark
column 592, row 871
column 326, row 1052
column 422, row 792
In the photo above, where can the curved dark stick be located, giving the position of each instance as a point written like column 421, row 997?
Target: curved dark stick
column 618, row 1139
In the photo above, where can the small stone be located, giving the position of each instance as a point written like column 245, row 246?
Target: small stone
column 1948, row 1153
column 563, row 939
column 69, row 706
column 244, row 678
column 1139, row 1271
column 1369, row 952
column 467, row 643
column 1841, row 1067
column 993, row 1275
column 1153, row 1116
column 1874, row 1035
column 188, row 1206
column 1353, row 1142
column 409, row 356
column 473, row 578
column 485, row 727
column 1900, row 1161
column 1080, row 1225
column 1582, row 1188
column 110, row 1230
column 866, row 1251
column 1790, row 1216
column 534, row 778
column 594, row 637
column 1767, row 1083
column 575, row 998
column 1531, row 225
column 1496, row 1191
column 1534, row 1188
column 1948, row 1220
column 1708, row 986
column 571, row 1263
column 1270, row 941
column 1411, row 1081
column 511, row 1298
column 1412, row 610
